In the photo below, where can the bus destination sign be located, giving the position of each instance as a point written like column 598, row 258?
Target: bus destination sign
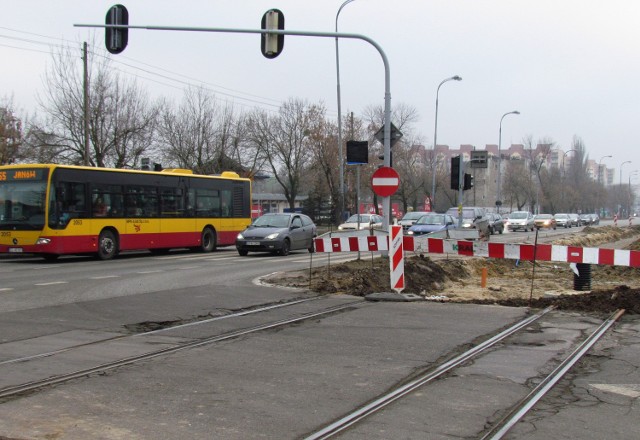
column 22, row 174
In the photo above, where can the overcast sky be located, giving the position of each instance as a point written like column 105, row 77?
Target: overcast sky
column 571, row 67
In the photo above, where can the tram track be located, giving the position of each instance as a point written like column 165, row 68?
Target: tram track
column 16, row 390
column 513, row 415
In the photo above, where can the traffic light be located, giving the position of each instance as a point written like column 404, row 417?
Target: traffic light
column 455, row 173
column 116, row 38
column 468, row 181
column 381, row 157
column 270, row 44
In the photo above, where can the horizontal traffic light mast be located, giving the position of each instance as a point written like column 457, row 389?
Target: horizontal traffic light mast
column 386, row 202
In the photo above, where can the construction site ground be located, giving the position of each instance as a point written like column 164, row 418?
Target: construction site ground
column 452, row 278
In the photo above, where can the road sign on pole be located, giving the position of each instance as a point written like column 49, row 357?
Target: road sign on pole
column 385, row 181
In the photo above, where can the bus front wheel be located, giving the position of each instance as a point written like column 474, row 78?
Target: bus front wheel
column 107, row 245
column 208, row 243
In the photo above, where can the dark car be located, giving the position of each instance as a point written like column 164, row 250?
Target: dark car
column 496, row 223
column 432, row 223
column 277, row 233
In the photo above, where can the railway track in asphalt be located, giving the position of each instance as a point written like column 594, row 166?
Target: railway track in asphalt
column 514, row 414
column 51, row 377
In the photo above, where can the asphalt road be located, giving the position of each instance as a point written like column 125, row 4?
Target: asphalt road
column 289, row 382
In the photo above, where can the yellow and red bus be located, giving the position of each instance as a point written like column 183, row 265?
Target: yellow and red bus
column 53, row 210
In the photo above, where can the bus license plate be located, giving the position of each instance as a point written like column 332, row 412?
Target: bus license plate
column 15, row 250
column 253, row 243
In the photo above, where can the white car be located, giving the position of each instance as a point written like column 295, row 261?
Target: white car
column 366, row 221
column 410, row 218
column 520, row 220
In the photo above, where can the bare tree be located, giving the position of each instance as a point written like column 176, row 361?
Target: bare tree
column 284, row 139
column 10, row 133
column 121, row 120
column 202, row 135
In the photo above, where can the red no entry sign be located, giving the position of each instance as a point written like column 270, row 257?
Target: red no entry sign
column 385, row 181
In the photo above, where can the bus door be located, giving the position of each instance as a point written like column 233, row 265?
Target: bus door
column 142, row 218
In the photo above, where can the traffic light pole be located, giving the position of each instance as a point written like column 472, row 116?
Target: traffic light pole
column 386, row 201
column 460, row 189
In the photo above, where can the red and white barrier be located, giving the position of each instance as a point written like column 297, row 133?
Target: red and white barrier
column 396, row 258
column 526, row 252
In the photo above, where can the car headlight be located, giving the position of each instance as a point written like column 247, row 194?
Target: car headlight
column 340, row 228
column 43, row 240
column 272, row 236
column 240, row 236
column 409, row 232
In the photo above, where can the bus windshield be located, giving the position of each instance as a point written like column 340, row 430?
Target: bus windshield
column 22, row 199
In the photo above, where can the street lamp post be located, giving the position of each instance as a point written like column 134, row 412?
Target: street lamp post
column 620, row 206
column 599, row 179
column 341, row 148
column 499, row 193
column 600, row 167
column 435, row 137
column 563, row 176
column 625, row 162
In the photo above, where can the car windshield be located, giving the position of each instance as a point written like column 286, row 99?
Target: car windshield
column 412, row 216
column 273, row 221
column 434, row 219
column 363, row 218
column 561, row 215
column 518, row 215
column 543, row 216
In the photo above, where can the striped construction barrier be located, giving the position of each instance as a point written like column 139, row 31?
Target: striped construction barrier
column 526, row 252
column 396, row 258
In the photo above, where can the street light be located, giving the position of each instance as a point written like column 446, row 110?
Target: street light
column 499, row 199
column 626, row 161
column 563, row 177
column 600, row 167
column 563, row 156
column 620, row 206
column 340, row 119
column 435, row 137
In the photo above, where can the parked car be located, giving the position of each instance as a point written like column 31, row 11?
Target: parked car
column 432, row 222
column 496, row 223
column 595, row 219
column 410, row 218
column 367, row 221
column 575, row 220
column 544, row 221
column 520, row 220
column 563, row 220
column 277, row 233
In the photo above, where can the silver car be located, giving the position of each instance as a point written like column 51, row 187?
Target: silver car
column 520, row 220
column 277, row 233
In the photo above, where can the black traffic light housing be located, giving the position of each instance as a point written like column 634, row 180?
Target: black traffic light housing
column 270, row 44
column 381, row 157
column 455, row 173
column 468, row 181
column 116, row 39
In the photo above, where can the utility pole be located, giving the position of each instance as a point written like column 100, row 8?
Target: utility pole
column 86, row 104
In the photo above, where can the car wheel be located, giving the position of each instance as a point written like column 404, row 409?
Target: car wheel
column 286, row 247
column 107, row 245
column 243, row 253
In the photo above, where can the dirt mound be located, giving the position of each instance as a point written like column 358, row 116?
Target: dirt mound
column 507, row 282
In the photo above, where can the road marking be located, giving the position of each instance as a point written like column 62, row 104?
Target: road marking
column 149, row 271
column 52, row 283
column 189, row 267
column 104, row 277
column 5, row 289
